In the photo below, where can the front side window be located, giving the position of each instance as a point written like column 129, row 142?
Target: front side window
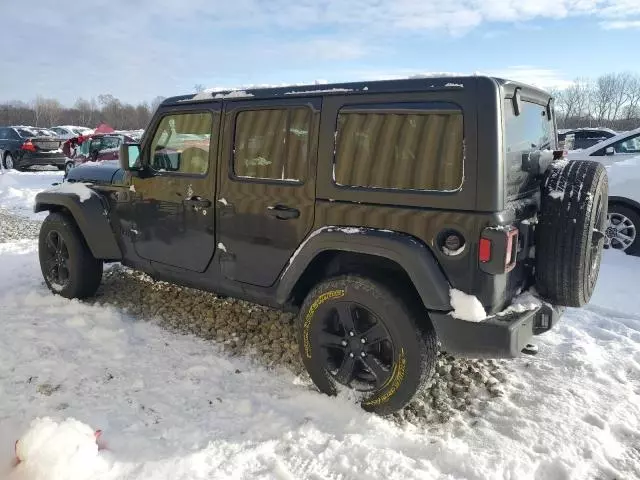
column 409, row 151
column 181, row 143
column 272, row 144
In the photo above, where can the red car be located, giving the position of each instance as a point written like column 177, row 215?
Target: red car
column 93, row 148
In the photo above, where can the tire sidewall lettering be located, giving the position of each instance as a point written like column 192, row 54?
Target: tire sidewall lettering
column 331, row 295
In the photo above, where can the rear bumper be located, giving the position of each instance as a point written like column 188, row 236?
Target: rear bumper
column 29, row 160
column 495, row 337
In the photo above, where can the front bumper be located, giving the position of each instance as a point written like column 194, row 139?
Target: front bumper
column 495, row 337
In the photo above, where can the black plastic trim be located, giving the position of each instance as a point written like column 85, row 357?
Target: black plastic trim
column 90, row 217
column 412, row 255
column 495, row 337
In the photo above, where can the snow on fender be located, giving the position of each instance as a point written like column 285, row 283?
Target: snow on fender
column 52, row 450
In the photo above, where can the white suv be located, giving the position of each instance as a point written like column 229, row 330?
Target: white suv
column 621, row 156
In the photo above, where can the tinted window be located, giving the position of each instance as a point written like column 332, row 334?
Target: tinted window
column 416, row 151
column 4, row 133
column 181, row 143
column 272, row 144
column 530, row 131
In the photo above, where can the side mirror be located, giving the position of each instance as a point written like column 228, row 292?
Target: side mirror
column 610, row 151
column 129, row 156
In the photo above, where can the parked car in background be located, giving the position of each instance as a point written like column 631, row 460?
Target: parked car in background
column 70, row 131
column 586, row 137
column 23, row 147
column 93, row 148
column 621, row 155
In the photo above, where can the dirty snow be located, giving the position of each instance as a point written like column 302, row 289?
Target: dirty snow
column 466, row 307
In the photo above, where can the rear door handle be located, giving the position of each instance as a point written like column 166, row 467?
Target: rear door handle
column 197, row 202
column 282, row 212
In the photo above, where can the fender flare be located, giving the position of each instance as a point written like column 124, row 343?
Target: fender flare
column 91, row 217
column 409, row 253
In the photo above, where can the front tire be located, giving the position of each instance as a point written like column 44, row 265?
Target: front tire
column 359, row 334
column 68, row 267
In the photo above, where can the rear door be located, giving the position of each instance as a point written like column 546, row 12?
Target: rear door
column 267, row 185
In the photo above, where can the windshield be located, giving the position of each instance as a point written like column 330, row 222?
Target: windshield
column 528, row 132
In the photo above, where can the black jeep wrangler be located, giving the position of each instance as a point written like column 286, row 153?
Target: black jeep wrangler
column 365, row 207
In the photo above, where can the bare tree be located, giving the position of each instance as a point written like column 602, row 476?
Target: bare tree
column 198, row 87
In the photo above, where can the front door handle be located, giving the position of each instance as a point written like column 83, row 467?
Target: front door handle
column 197, row 202
column 282, row 212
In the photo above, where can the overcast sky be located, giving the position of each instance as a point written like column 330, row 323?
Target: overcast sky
column 139, row 49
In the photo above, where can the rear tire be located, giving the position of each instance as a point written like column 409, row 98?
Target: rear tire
column 7, row 162
column 570, row 234
column 387, row 353
column 68, row 267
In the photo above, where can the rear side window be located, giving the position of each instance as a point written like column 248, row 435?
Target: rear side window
column 272, row 144
column 412, row 147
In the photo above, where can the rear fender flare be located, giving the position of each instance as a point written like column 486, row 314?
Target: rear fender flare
column 409, row 253
column 91, row 217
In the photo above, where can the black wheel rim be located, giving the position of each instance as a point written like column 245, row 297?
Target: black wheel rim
column 56, row 261
column 357, row 348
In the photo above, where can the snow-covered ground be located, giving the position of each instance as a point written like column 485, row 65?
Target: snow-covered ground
column 176, row 407
column 18, row 189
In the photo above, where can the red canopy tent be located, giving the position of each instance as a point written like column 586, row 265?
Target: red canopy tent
column 104, row 128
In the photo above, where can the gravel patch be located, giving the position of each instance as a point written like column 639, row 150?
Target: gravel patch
column 242, row 328
column 458, row 386
column 13, row 227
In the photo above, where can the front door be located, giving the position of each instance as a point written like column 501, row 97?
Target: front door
column 267, row 185
column 173, row 200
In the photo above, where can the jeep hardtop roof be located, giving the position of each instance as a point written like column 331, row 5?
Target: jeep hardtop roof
column 418, row 84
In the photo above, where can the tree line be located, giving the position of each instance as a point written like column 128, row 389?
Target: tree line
column 611, row 100
column 49, row 112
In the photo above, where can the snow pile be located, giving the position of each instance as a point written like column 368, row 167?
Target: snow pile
column 58, row 451
column 524, row 302
column 466, row 307
column 19, row 189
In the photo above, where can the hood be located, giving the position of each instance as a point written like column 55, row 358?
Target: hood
column 104, row 173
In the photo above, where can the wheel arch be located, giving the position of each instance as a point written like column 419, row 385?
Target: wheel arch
column 90, row 217
column 625, row 201
column 381, row 254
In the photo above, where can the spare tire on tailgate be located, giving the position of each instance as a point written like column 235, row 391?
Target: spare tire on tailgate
column 570, row 231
